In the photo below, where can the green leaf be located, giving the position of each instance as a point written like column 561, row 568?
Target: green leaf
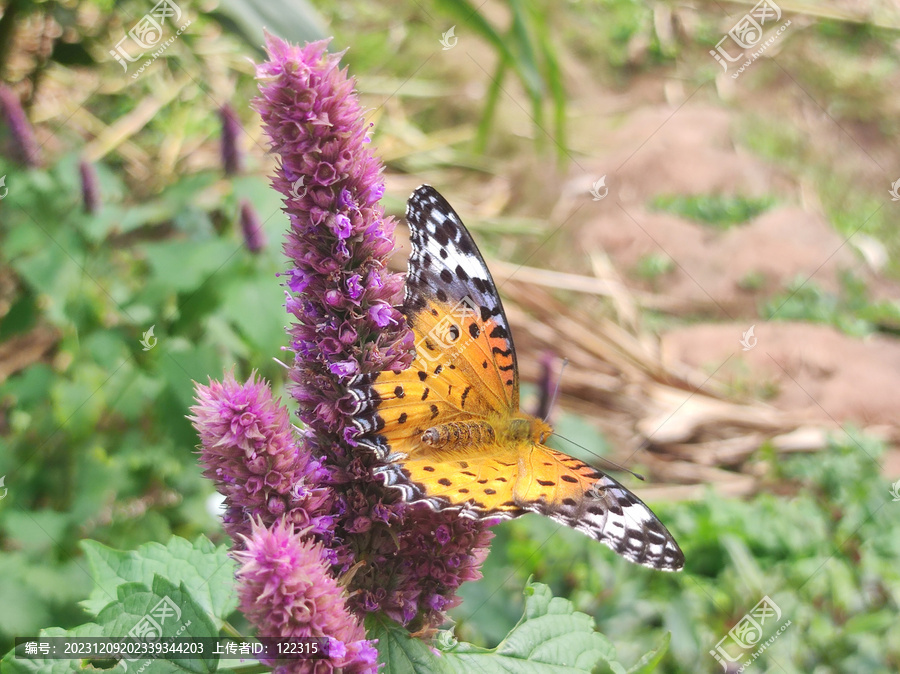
column 401, row 653
column 551, row 637
column 199, row 565
column 648, row 663
column 294, row 20
column 13, row 665
column 187, row 265
column 166, row 610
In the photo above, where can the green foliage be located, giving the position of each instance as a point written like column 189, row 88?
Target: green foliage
column 129, row 585
column 717, row 210
column 851, row 311
column 651, row 267
column 15, row 665
column 202, row 566
column 619, row 33
column 134, row 601
column 197, row 579
column 550, row 637
column 528, row 50
column 294, row 20
column 98, row 444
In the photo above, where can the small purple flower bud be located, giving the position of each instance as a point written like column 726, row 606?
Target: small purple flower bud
column 254, row 236
column 275, row 506
column 345, row 201
column 347, row 334
column 90, row 187
column 442, row 534
column 298, row 280
column 231, row 131
column 354, row 287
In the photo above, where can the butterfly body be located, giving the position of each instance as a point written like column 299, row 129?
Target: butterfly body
column 449, row 431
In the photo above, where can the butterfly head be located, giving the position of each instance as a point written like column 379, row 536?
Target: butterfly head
column 527, row 427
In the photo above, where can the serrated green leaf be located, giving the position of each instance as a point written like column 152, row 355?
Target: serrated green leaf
column 401, row 653
column 13, row 665
column 166, row 610
column 199, row 565
column 551, row 637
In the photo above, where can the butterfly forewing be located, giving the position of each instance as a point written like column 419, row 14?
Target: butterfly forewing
column 447, row 272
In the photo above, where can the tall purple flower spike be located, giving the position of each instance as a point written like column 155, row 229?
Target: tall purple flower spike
column 277, row 505
column 408, row 561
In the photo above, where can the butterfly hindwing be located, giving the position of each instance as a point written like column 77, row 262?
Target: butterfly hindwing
column 478, row 487
column 584, row 498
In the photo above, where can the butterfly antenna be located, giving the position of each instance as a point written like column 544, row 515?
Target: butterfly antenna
column 562, row 368
column 615, row 465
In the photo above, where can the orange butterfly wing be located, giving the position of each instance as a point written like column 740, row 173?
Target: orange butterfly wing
column 569, row 491
column 457, row 377
column 449, row 430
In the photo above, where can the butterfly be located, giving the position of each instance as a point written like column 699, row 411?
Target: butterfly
column 448, row 430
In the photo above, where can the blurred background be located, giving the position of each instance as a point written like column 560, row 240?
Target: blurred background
column 695, row 203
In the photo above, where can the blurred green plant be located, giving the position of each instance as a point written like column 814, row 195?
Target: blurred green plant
column 850, row 310
column 652, row 267
column 527, row 49
column 97, row 443
column 718, row 210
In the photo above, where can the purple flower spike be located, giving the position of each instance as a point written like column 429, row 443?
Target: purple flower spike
column 24, row 147
column 249, row 451
column 90, row 187
column 346, row 325
column 254, row 236
column 286, row 589
column 231, row 131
